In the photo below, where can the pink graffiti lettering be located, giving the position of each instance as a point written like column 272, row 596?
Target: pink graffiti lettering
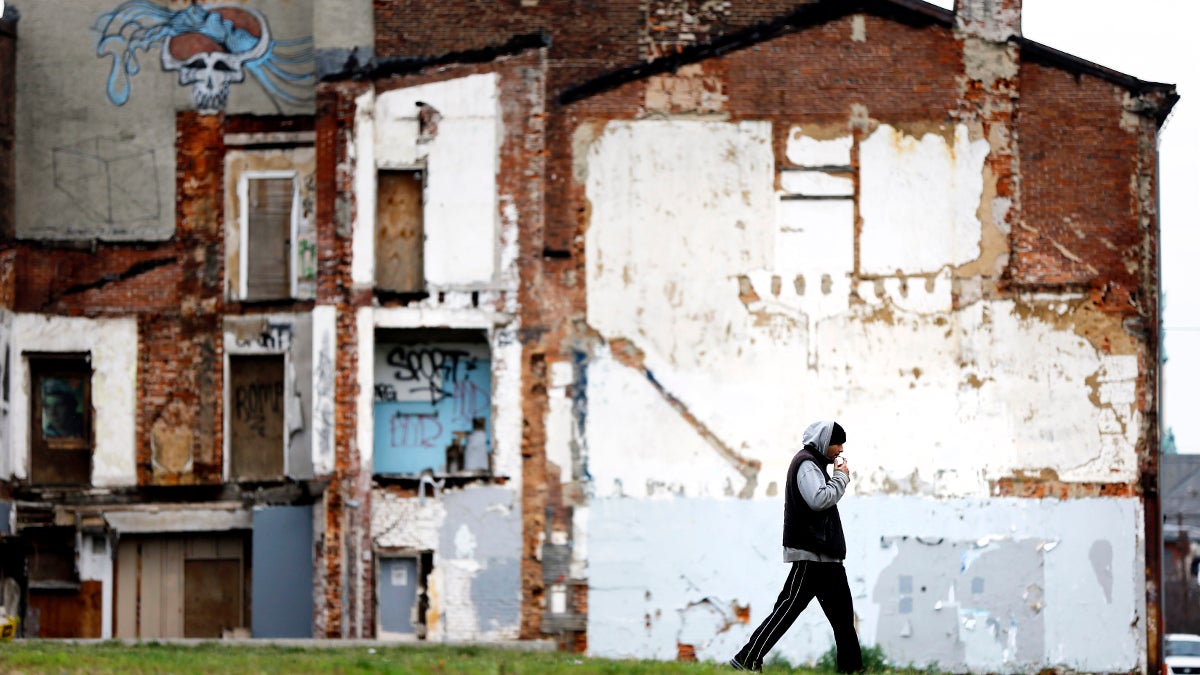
column 420, row 430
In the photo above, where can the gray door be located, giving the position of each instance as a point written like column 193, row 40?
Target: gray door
column 281, row 604
column 397, row 590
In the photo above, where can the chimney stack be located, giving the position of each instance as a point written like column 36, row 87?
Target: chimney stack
column 994, row 20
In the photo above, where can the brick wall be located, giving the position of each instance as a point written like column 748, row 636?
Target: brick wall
column 1079, row 223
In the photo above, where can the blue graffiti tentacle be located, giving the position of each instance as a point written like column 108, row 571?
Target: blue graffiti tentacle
column 141, row 25
column 133, row 25
column 293, row 77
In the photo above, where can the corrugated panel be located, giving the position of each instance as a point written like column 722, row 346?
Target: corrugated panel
column 282, row 573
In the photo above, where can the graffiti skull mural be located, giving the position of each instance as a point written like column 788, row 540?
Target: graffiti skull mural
column 209, row 65
column 210, row 46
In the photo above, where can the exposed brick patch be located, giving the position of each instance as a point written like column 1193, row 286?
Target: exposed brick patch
column 1037, row 488
column 1079, row 209
column 112, row 279
column 199, row 241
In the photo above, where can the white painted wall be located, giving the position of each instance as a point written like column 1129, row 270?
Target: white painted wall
column 750, row 318
column 324, row 374
column 462, row 239
column 113, row 345
column 711, row 555
column 919, row 200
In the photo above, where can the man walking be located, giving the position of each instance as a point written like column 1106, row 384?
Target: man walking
column 814, row 544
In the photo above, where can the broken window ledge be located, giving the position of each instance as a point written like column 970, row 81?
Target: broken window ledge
column 456, row 479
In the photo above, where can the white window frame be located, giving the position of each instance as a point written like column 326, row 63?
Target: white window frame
column 243, row 189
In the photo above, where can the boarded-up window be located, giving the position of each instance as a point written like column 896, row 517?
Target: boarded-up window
column 256, row 444
column 400, row 233
column 192, row 585
column 433, row 403
column 61, row 420
column 269, row 206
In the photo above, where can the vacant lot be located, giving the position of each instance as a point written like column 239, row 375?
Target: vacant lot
column 211, row 657
column 47, row 656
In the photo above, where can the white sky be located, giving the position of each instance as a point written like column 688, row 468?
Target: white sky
column 1153, row 40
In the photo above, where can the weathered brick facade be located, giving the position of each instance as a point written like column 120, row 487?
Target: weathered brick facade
column 677, row 230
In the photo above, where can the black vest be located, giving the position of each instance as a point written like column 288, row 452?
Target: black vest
column 804, row 528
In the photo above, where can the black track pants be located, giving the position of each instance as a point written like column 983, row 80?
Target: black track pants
column 827, row 583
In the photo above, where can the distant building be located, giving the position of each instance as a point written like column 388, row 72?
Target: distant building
column 501, row 321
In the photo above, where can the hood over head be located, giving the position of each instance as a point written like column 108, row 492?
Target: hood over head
column 818, row 435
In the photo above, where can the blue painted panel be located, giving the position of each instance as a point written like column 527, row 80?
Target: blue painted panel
column 282, row 573
column 428, row 398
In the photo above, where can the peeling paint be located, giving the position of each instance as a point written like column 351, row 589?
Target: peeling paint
column 945, row 581
column 113, row 346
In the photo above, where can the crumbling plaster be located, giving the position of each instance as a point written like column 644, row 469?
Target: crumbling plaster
column 113, row 346
column 460, row 157
column 471, row 271
column 893, row 355
column 475, row 535
column 746, row 310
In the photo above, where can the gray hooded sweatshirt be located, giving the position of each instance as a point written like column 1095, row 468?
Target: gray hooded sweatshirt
column 818, row 490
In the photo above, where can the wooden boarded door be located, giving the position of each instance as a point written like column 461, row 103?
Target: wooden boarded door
column 400, row 233
column 211, row 597
column 256, row 443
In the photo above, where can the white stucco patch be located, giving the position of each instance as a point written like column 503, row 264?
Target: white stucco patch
column 113, row 347
column 816, row 184
column 642, row 446
column 324, row 375
column 506, row 407
column 919, row 200
column 364, row 402
column 674, row 232
column 678, row 212
column 460, row 160
column 804, row 150
column 560, row 424
column 361, row 161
